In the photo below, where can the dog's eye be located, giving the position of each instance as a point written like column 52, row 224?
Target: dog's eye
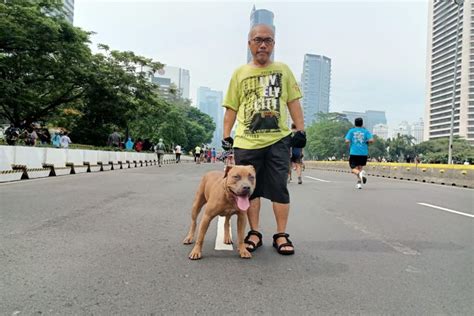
column 237, row 177
column 251, row 178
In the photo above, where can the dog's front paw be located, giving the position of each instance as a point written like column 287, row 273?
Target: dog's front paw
column 195, row 254
column 188, row 240
column 244, row 253
column 228, row 240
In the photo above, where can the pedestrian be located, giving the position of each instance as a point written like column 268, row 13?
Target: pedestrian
column 65, row 140
column 44, row 136
column 213, row 154
column 296, row 158
column 209, row 155
column 197, row 154
column 177, row 151
column 56, row 139
column 139, row 145
column 129, row 144
column 160, row 151
column 358, row 139
column 259, row 97
column 31, row 137
column 114, row 139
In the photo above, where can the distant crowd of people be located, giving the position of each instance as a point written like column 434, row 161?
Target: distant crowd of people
column 34, row 134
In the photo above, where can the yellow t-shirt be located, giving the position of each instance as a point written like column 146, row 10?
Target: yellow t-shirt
column 260, row 97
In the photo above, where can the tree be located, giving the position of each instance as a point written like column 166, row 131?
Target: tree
column 378, row 149
column 43, row 61
column 326, row 136
column 436, row 150
column 116, row 95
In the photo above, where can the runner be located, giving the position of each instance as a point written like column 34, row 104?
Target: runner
column 358, row 139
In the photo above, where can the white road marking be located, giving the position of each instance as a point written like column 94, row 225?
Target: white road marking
column 446, row 209
column 220, row 235
column 317, row 179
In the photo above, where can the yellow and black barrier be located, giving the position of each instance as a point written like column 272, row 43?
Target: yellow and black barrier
column 455, row 175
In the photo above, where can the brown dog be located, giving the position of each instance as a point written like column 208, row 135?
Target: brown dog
column 224, row 193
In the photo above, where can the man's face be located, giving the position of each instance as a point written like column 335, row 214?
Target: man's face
column 261, row 44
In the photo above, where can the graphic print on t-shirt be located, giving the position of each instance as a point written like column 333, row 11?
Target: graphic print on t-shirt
column 359, row 137
column 262, row 103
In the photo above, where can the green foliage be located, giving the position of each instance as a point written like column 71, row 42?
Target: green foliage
column 401, row 147
column 43, row 61
column 48, row 73
column 378, row 149
column 326, row 137
column 436, row 150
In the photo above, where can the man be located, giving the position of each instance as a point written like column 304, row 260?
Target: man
column 177, row 151
column 65, row 140
column 260, row 95
column 197, row 154
column 114, row 139
column 160, row 151
column 358, row 139
column 296, row 158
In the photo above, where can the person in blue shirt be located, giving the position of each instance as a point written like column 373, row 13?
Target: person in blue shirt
column 129, row 144
column 358, row 139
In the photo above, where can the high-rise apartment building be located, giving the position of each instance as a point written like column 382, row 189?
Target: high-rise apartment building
column 381, row 130
column 178, row 76
column 417, row 131
column 449, row 20
column 210, row 102
column 316, row 86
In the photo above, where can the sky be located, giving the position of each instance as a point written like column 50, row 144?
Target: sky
column 377, row 48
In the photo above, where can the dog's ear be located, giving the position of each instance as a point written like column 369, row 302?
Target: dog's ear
column 226, row 171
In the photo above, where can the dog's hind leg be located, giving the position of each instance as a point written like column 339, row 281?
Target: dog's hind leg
column 227, row 238
column 198, row 203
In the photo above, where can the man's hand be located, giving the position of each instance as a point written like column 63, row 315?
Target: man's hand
column 227, row 143
column 299, row 139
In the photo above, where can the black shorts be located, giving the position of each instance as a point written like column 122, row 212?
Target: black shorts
column 355, row 161
column 272, row 166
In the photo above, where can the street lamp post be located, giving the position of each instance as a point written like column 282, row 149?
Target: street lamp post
column 459, row 3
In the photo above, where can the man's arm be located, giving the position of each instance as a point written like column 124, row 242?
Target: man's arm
column 294, row 107
column 229, row 120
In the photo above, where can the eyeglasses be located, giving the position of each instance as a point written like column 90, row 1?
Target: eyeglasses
column 267, row 40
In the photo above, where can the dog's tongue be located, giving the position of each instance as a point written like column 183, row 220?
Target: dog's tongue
column 243, row 202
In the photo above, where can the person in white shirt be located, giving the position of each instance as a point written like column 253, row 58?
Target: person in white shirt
column 65, row 141
column 177, row 151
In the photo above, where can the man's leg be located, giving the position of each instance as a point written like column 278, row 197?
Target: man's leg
column 298, row 172
column 281, row 212
column 253, row 214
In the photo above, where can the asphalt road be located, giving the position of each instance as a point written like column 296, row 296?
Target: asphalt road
column 110, row 243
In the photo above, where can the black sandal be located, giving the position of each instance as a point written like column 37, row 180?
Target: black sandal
column 286, row 244
column 251, row 243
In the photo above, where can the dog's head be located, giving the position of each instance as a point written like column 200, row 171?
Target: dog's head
column 240, row 181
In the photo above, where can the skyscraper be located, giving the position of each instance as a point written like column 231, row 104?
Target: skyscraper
column 403, row 129
column 442, row 30
column 417, row 131
column 381, row 130
column 210, row 102
column 178, row 76
column 68, row 6
column 261, row 16
column 316, row 86
column 67, row 10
